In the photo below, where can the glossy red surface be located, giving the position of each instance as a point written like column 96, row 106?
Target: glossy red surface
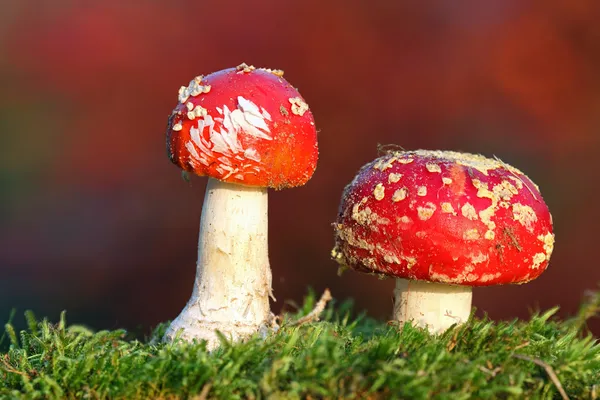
column 251, row 127
column 444, row 217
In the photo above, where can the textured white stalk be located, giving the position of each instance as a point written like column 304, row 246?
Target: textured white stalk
column 233, row 278
column 435, row 306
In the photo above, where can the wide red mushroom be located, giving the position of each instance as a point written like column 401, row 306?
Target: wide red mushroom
column 442, row 222
column 248, row 130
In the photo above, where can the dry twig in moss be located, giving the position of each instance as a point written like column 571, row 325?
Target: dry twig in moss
column 316, row 312
column 549, row 370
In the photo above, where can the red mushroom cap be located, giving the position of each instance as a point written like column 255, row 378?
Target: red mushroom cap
column 445, row 217
column 244, row 125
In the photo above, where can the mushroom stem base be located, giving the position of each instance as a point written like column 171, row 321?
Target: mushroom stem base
column 233, row 277
column 435, row 306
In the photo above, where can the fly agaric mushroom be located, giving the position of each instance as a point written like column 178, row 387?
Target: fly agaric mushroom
column 441, row 222
column 248, row 130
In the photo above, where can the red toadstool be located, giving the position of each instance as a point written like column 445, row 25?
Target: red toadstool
column 247, row 129
column 441, row 222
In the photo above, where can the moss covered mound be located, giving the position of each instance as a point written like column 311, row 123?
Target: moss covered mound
column 343, row 356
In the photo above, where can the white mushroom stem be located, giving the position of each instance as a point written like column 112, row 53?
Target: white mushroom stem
column 233, row 277
column 435, row 306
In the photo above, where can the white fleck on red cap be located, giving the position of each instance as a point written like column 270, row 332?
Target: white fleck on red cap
column 443, row 216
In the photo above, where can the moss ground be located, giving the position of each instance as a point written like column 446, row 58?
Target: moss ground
column 343, row 356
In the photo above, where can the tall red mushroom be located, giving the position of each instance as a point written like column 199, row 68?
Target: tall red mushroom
column 441, row 222
column 247, row 129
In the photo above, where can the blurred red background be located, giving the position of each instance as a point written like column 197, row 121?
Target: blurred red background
column 94, row 218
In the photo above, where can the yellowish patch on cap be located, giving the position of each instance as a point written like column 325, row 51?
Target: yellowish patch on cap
column 422, row 191
column 193, row 89
column 177, row 127
column 348, row 236
column 487, row 214
column 336, row 254
column 447, row 208
column 370, row 263
column 421, row 234
column 489, row 234
column 406, row 160
column 446, row 181
column 468, row 211
column 489, row 277
column 517, row 181
column 391, row 258
column 367, row 216
column 538, row 259
column 361, row 216
column 483, row 191
column 483, row 164
column 433, row 167
column 384, row 163
column 471, row 234
column 473, row 161
column 244, row 68
column 486, row 217
column 548, row 240
column 410, row 261
column 466, row 275
column 276, row 72
column 379, row 192
column 525, row 215
column 426, row 211
column 405, row 219
column 394, row 177
column 299, row 107
column 400, row 194
column 505, row 190
column 437, row 277
column 197, row 112
column 479, row 258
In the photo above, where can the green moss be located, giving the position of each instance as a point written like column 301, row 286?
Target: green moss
column 340, row 357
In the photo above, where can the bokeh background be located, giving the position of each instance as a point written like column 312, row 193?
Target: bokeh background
column 95, row 220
